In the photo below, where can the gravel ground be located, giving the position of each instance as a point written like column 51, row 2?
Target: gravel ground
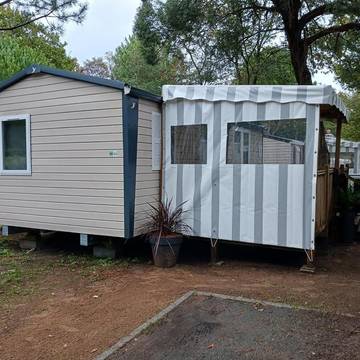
column 64, row 305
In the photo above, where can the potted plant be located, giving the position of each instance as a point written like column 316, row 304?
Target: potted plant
column 348, row 202
column 165, row 230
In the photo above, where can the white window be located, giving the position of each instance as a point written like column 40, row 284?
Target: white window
column 15, row 157
column 238, row 145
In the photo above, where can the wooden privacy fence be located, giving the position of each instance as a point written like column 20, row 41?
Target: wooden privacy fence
column 324, row 195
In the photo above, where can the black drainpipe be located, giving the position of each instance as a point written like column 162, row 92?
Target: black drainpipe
column 130, row 138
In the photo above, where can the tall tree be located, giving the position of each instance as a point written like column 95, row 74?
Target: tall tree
column 245, row 38
column 130, row 65
column 55, row 11
column 269, row 66
column 218, row 39
column 306, row 23
column 304, row 26
column 34, row 43
column 183, row 28
column 345, row 59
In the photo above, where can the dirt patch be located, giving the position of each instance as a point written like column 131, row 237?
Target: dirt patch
column 213, row 328
column 72, row 307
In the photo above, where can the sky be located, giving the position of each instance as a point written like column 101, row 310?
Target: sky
column 108, row 23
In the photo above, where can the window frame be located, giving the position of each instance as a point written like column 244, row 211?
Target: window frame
column 172, row 133
column 243, row 146
column 28, row 169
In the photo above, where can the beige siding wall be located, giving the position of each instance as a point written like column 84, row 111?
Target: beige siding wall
column 276, row 152
column 147, row 180
column 75, row 185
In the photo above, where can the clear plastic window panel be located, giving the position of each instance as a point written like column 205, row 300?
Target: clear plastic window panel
column 189, row 144
column 14, row 144
column 266, row 142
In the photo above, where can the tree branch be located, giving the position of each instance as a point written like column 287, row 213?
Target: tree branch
column 2, row 3
column 331, row 30
column 255, row 7
column 17, row 26
column 311, row 15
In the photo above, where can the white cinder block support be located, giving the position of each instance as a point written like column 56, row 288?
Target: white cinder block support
column 5, row 230
column 86, row 240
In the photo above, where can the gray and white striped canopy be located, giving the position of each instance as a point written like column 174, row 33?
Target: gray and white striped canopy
column 270, row 204
column 308, row 94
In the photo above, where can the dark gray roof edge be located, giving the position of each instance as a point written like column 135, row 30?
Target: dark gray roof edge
column 42, row 69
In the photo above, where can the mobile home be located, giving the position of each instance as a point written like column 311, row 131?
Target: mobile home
column 76, row 153
column 249, row 161
column 349, row 153
column 87, row 155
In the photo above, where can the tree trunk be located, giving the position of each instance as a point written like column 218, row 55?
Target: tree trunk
column 297, row 47
column 299, row 54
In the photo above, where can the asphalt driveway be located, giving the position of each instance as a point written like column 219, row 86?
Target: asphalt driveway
column 206, row 327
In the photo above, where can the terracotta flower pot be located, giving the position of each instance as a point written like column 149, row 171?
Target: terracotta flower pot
column 168, row 250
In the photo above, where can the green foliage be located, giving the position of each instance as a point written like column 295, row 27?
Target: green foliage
column 346, row 61
column 350, row 130
column 228, row 40
column 55, row 12
column 271, row 66
column 33, row 44
column 145, row 29
column 184, row 29
column 348, row 199
column 131, row 67
column 218, row 41
column 15, row 57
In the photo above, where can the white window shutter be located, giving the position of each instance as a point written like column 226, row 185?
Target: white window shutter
column 156, row 141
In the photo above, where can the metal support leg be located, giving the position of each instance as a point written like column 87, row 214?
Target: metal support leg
column 309, row 267
column 5, row 230
column 87, row 240
column 214, row 250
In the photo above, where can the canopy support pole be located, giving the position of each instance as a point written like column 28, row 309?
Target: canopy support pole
column 338, row 143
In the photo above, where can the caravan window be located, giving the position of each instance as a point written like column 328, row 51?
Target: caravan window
column 189, row 144
column 243, row 144
column 15, row 145
column 266, row 142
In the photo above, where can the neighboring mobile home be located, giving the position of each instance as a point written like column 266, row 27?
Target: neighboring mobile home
column 239, row 182
column 349, row 153
column 77, row 153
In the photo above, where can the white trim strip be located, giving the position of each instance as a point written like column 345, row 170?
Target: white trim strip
column 27, row 119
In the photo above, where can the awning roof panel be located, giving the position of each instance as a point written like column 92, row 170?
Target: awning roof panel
column 309, row 94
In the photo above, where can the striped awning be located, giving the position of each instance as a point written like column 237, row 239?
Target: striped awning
column 309, row 94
